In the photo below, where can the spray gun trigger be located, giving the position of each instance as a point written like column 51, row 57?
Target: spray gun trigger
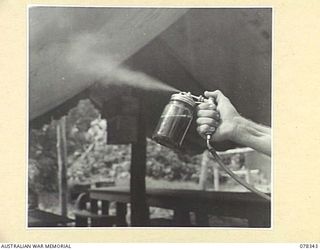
column 211, row 100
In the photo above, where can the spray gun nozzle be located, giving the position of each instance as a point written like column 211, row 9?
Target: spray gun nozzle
column 195, row 97
column 198, row 99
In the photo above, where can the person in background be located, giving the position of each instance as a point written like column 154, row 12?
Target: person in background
column 227, row 124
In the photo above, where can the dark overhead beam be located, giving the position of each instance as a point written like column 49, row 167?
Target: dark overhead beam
column 181, row 62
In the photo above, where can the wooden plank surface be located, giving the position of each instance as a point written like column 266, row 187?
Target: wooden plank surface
column 232, row 204
column 122, row 192
column 39, row 218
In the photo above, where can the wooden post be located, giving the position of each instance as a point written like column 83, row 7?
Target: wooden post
column 204, row 170
column 105, row 207
column 216, row 182
column 62, row 165
column 121, row 209
column 181, row 217
column 139, row 208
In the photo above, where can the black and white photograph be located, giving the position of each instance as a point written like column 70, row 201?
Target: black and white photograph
column 149, row 117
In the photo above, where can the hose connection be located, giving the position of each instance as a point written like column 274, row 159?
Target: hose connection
column 233, row 175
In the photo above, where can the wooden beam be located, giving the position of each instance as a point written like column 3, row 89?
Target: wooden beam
column 183, row 63
column 139, row 208
column 204, row 170
column 216, row 182
column 62, row 165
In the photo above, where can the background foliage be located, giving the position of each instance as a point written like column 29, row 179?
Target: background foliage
column 91, row 159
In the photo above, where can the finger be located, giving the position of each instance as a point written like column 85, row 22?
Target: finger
column 207, row 105
column 210, row 100
column 217, row 94
column 207, row 121
column 209, row 113
column 205, row 129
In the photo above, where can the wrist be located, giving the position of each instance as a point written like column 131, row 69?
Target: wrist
column 250, row 134
column 238, row 123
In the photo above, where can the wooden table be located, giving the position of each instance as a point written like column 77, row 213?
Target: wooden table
column 231, row 204
column 40, row 218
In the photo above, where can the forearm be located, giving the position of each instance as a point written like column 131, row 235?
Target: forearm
column 252, row 135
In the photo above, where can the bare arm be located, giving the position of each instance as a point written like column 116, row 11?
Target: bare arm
column 252, row 135
column 229, row 125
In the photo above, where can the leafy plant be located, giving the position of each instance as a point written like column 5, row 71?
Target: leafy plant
column 89, row 157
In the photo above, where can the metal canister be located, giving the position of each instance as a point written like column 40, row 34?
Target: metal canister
column 175, row 120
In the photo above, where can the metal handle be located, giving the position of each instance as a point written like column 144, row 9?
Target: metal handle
column 210, row 133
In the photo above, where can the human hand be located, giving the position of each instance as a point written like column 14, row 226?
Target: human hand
column 218, row 118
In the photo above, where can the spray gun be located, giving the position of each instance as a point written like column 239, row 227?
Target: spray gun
column 175, row 122
column 176, row 119
column 200, row 99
